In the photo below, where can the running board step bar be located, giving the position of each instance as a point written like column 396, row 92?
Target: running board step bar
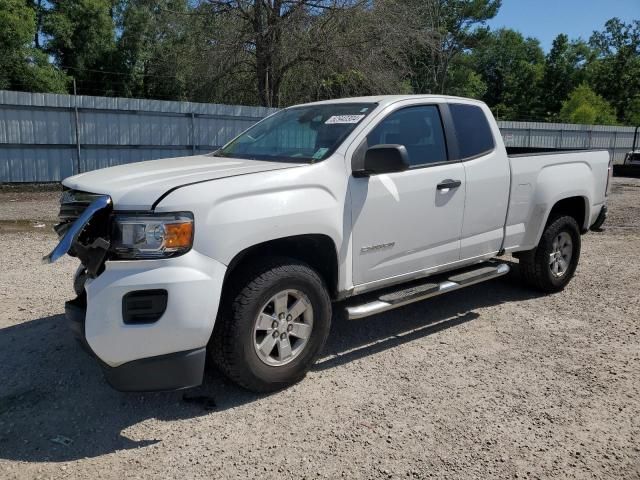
column 419, row 292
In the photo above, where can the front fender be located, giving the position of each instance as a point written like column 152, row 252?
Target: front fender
column 241, row 221
column 233, row 214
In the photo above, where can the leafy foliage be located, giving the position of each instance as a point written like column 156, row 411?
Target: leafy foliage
column 512, row 67
column 587, row 107
column 282, row 52
column 82, row 40
column 22, row 66
column 563, row 71
column 615, row 72
column 632, row 114
column 455, row 26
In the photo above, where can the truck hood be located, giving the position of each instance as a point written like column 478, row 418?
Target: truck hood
column 137, row 186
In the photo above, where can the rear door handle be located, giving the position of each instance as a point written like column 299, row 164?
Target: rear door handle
column 447, row 184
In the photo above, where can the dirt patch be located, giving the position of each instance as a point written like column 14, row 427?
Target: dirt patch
column 30, row 206
column 494, row 381
column 30, row 187
column 21, row 226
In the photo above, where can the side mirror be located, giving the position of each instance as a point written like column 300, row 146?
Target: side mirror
column 383, row 159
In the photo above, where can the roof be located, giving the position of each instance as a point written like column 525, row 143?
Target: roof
column 384, row 100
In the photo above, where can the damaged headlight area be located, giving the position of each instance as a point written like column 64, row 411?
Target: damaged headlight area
column 83, row 230
column 151, row 235
column 92, row 231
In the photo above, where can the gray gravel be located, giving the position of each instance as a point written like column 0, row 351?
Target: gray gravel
column 492, row 381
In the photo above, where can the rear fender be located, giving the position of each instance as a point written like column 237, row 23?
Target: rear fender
column 556, row 183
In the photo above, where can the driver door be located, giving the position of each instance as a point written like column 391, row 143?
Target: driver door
column 405, row 223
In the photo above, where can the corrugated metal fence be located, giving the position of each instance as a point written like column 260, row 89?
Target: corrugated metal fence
column 47, row 137
column 618, row 140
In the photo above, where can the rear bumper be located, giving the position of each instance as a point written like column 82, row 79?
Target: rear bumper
column 165, row 353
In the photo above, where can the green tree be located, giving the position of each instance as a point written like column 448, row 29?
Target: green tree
column 82, row 39
column 22, row 66
column 563, row 72
column 587, row 107
column 156, row 47
column 632, row 114
column 272, row 38
column 615, row 73
column 454, row 26
column 274, row 53
column 512, row 67
column 464, row 81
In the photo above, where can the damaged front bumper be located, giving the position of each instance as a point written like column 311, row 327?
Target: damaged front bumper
column 151, row 349
column 146, row 321
column 173, row 371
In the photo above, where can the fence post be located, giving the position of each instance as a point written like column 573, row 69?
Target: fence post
column 193, row 133
column 77, row 118
column 560, row 139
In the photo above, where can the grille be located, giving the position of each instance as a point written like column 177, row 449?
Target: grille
column 73, row 203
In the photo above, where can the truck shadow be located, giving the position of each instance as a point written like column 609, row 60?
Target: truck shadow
column 55, row 405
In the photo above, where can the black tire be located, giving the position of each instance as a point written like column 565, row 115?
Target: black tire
column 232, row 346
column 534, row 264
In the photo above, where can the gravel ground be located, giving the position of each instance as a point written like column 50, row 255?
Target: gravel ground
column 492, row 381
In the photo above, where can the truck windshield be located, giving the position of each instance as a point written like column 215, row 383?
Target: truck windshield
column 299, row 134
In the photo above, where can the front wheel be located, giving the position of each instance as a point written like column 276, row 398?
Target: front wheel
column 550, row 266
column 274, row 327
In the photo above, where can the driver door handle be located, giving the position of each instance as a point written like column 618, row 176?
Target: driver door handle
column 448, row 183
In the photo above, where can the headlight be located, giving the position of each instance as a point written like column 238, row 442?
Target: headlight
column 137, row 236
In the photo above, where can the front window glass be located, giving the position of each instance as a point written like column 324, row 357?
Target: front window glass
column 299, row 134
column 419, row 129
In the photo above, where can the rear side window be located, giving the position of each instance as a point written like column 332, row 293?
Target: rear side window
column 419, row 129
column 472, row 130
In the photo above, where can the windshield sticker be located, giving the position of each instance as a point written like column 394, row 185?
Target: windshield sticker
column 344, row 119
column 320, row 153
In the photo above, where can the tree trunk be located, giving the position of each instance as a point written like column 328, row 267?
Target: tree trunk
column 38, row 8
column 266, row 25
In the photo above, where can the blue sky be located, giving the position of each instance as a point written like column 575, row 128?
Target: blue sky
column 545, row 19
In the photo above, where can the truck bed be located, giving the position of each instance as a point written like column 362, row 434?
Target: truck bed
column 542, row 177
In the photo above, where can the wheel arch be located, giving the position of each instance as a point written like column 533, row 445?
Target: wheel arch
column 576, row 207
column 317, row 250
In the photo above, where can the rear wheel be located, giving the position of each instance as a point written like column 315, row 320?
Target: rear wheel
column 551, row 265
column 274, row 326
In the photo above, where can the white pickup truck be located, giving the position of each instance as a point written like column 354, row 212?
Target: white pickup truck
column 375, row 202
